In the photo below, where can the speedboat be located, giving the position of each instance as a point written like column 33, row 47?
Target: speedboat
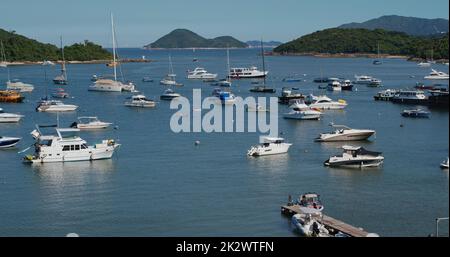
column 346, row 85
column 60, row 93
column 385, row 95
column 434, row 74
column 355, row 157
column 262, row 89
column 334, row 86
column 6, row 142
column 169, row 94
column 55, row 106
column 270, row 146
column 325, row 103
column 200, row 73
column 309, row 201
column 106, row 85
column 140, row 101
column 417, row 113
column 19, row 86
column 309, row 225
column 444, row 164
column 87, row 123
column 303, row 115
column 169, row 80
column 252, row 72
column 344, row 133
column 9, row 117
column 68, row 146
column 410, row 97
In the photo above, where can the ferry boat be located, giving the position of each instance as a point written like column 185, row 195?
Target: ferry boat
column 325, row 103
column 417, row 113
column 385, row 95
column 68, row 146
column 200, row 73
column 6, row 142
column 355, row 157
column 270, row 146
column 252, row 72
column 19, row 86
column 88, row 123
column 9, row 117
column 437, row 75
column 344, row 133
column 55, row 106
column 10, row 96
column 410, row 97
column 140, row 101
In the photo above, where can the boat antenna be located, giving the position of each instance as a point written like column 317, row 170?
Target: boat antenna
column 263, row 63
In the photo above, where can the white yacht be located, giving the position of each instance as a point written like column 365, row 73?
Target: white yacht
column 9, row 117
column 55, row 106
column 325, row 103
column 437, row 75
column 344, row 133
column 140, row 101
column 334, row 86
column 367, row 80
column 6, row 142
column 252, row 72
column 355, row 157
column 169, row 94
column 87, row 123
column 200, row 73
column 19, row 86
column 301, row 111
column 270, row 146
column 169, row 80
column 68, row 146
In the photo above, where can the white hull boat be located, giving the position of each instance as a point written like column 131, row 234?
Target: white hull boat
column 252, row 72
column 106, row 85
column 309, row 225
column 55, row 106
column 437, row 75
column 140, row 101
column 270, row 146
column 444, row 164
column 344, row 133
column 325, row 103
column 90, row 123
column 19, row 86
column 9, row 117
column 355, row 157
column 200, row 73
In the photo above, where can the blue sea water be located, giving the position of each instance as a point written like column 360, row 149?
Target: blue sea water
column 160, row 184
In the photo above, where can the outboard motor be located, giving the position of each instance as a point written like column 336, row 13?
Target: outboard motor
column 74, row 125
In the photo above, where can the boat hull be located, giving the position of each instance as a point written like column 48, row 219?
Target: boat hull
column 348, row 137
column 91, row 154
column 8, row 142
column 363, row 163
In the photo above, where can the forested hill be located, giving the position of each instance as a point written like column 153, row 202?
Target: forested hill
column 351, row 41
column 21, row 48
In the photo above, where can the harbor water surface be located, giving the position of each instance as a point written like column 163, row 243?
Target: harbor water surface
column 161, row 184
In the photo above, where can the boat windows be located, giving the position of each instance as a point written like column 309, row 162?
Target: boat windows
column 66, row 148
column 77, row 147
column 72, row 148
column 84, row 146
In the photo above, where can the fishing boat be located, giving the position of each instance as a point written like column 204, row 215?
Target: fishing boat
column 9, row 117
column 355, row 157
column 344, row 133
column 270, row 146
column 169, row 94
column 200, row 73
column 263, row 88
column 60, row 93
column 6, row 142
column 54, row 106
column 444, row 164
column 140, row 101
column 416, row 113
column 67, row 146
column 10, row 96
column 61, row 79
column 325, row 103
column 89, row 123
column 437, row 75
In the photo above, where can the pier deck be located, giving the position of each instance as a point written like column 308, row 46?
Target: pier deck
column 328, row 221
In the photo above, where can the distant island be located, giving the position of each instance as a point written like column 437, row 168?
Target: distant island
column 409, row 25
column 338, row 41
column 19, row 48
column 257, row 43
column 183, row 38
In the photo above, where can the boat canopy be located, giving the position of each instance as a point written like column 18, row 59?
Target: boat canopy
column 360, row 150
column 273, row 140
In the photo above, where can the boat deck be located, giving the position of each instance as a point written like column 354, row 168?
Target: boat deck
column 328, row 222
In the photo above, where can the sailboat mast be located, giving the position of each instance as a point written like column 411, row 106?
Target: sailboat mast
column 4, row 59
column 114, row 47
column 263, row 63
column 228, row 65
column 63, row 65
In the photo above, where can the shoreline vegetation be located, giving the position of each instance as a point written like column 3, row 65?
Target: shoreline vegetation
column 18, row 63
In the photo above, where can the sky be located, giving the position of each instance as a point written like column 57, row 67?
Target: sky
column 139, row 22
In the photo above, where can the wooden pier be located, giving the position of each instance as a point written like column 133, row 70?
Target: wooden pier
column 328, row 222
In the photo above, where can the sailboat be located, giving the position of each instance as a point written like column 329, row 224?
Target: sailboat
column 61, row 79
column 15, row 84
column 109, row 85
column 227, row 81
column 378, row 61
column 169, row 80
column 263, row 88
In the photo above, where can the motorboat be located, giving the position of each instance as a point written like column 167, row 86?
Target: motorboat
column 355, row 157
column 334, row 86
column 303, row 115
column 106, row 85
column 10, row 96
column 251, row 72
column 424, row 64
column 9, row 117
column 346, row 85
column 169, row 80
column 344, row 133
column 225, row 97
column 88, row 123
column 222, row 83
column 410, row 97
column 444, row 164
column 256, row 108
column 310, row 201
column 287, row 96
column 68, row 146
column 19, row 86
column 6, row 142
column 129, row 87
column 55, row 106
column 270, row 146
column 416, row 113
column 385, row 95
column 147, row 79
column 140, row 101
column 309, row 225
column 437, row 75
column 325, row 103
column 200, row 73
column 169, row 94
column 60, row 93
column 262, row 89
column 367, row 80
